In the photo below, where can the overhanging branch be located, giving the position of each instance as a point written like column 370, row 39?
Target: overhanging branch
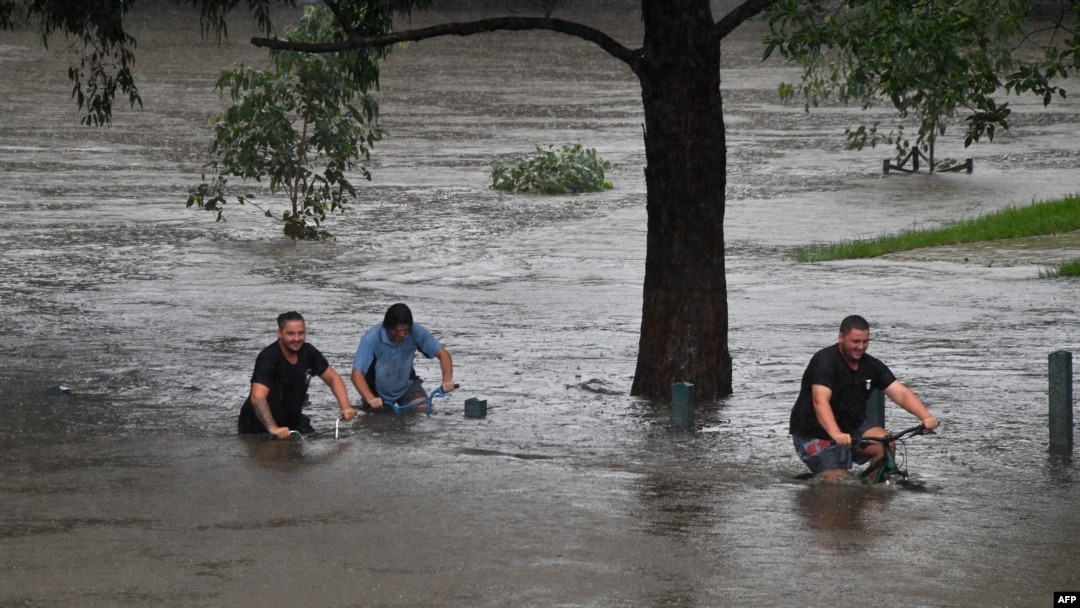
column 739, row 15
column 483, row 26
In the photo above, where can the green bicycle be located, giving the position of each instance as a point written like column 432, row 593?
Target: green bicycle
column 887, row 470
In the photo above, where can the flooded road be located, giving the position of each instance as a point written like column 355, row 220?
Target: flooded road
column 134, row 490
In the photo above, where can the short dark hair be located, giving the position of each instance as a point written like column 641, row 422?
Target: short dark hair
column 396, row 315
column 851, row 322
column 285, row 317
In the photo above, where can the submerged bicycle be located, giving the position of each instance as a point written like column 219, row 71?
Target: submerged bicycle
column 887, row 470
column 397, row 409
column 429, row 402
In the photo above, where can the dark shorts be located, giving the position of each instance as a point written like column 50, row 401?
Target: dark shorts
column 414, row 393
column 823, row 455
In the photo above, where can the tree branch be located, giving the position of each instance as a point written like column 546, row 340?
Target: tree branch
column 483, row 26
column 739, row 15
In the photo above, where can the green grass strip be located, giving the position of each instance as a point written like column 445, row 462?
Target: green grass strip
column 1068, row 269
column 1050, row 217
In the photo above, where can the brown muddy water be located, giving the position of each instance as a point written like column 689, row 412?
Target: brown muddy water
column 134, row 491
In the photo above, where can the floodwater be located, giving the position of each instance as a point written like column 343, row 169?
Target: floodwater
column 134, row 490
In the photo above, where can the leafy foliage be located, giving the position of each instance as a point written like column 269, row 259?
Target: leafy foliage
column 308, row 110
column 1062, row 53
column 213, row 14
column 931, row 59
column 572, row 169
column 102, row 52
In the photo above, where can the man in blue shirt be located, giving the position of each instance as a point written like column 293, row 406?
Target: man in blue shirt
column 383, row 366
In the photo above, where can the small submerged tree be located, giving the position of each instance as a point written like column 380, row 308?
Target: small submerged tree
column 307, row 111
column 570, row 170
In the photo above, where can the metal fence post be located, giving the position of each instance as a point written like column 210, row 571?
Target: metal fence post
column 682, row 405
column 1061, row 410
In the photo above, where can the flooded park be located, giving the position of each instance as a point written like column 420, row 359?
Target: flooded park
column 134, row 490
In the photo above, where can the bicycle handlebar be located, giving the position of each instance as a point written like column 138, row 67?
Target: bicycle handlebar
column 438, row 392
column 895, row 436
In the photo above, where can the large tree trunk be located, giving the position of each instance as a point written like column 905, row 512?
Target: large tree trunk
column 684, row 323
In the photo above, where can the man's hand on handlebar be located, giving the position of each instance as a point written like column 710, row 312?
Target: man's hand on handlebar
column 280, row 432
column 842, row 439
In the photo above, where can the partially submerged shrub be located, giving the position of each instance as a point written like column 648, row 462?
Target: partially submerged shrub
column 572, row 169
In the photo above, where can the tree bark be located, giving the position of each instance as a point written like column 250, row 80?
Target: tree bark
column 684, row 323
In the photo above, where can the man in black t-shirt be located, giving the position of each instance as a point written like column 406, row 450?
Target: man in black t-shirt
column 280, row 381
column 831, row 407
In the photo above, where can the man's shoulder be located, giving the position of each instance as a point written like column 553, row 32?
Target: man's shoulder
column 267, row 364
column 829, row 353
column 823, row 366
column 419, row 331
column 369, row 340
column 425, row 341
column 270, row 351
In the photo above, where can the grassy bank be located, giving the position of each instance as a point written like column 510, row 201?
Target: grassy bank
column 1068, row 269
column 1050, row 217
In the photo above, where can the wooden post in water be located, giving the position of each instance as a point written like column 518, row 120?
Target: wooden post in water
column 682, row 405
column 875, row 408
column 1061, row 411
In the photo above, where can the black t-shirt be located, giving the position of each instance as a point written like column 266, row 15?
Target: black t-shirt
column 288, row 385
column 851, row 390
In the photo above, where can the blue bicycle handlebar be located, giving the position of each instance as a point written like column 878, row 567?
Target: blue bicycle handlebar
column 438, row 392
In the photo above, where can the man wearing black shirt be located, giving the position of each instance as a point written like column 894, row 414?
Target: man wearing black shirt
column 280, row 381
column 831, row 406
